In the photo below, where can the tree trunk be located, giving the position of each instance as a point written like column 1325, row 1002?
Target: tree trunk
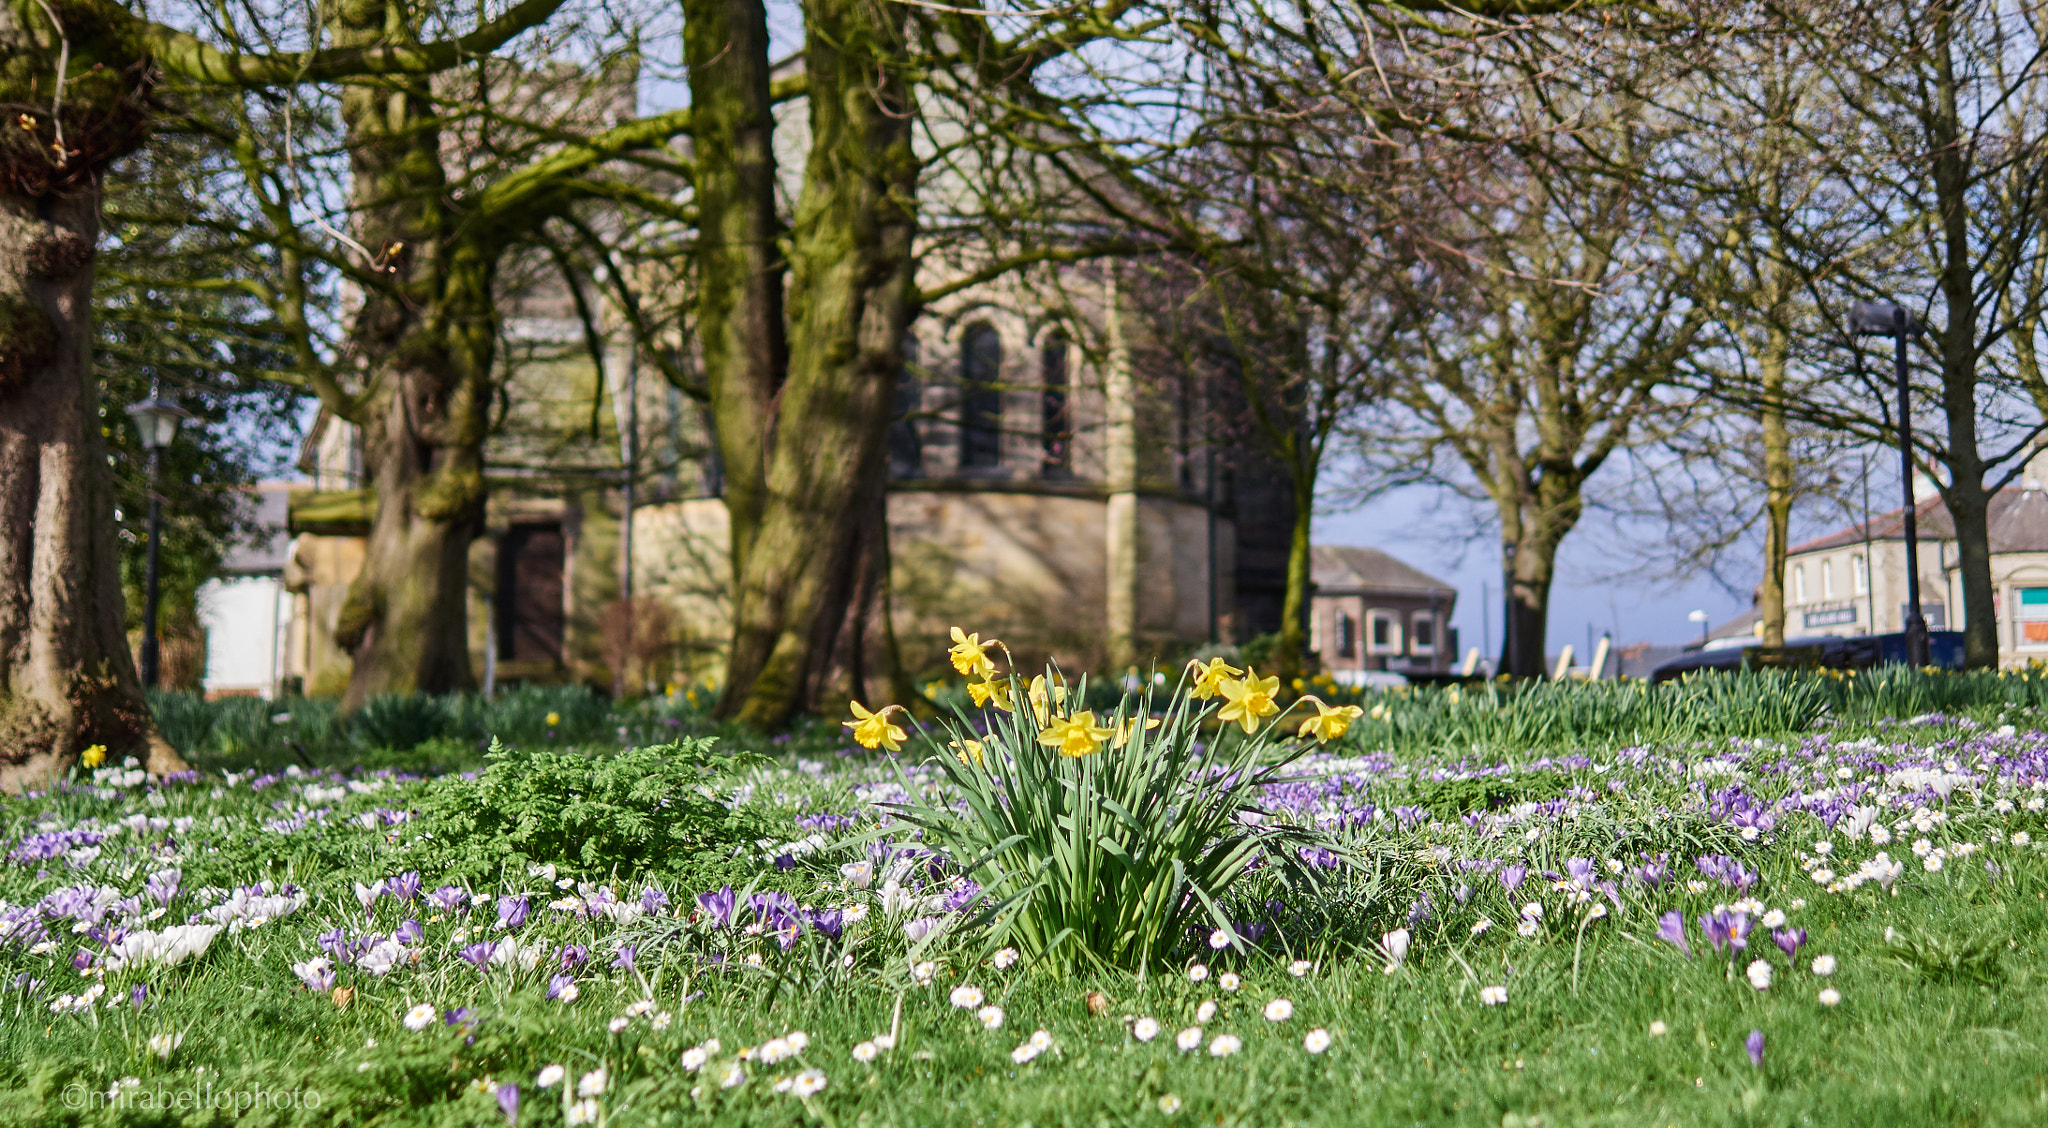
column 426, row 343
column 1534, row 519
column 850, row 293
column 1294, row 604
column 1969, row 503
column 66, row 678
column 1777, row 488
column 739, row 266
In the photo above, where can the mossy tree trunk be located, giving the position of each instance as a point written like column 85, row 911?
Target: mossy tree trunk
column 799, row 631
column 67, row 680
column 740, row 267
column 423, row 342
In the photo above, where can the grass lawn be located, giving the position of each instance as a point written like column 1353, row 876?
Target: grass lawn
column 1498, row 920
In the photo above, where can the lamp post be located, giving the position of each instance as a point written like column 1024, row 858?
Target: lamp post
column 156, row 421
column 1702, row 619
column 1509, row 660
column 1889, row 319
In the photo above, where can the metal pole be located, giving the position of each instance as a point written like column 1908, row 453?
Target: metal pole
column 1509, row 663
column 1485, row 617
column 1211, row 483
column 149, row 589
column 1916, row 625
column 629, row 450
column 1869, row 554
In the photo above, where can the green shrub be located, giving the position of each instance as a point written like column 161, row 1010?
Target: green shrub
column 399, row 722
column 647, row 810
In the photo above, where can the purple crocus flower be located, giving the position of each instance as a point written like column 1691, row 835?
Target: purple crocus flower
column 785, row 862
column 1789, row 941
column 82, row 960
column 479, row 954
column 1671, row 927
column 718, row 907
column 513, row 911
column 1581, row 871
column 508, row 1102
column 137, row 996
column 448, row 898
column 624, row 959
column 1729, row 931
column 1655, row 873
column 457, row 1017
column 334, row 943
column 405, row 886
column 1755, row 1044
column 831, row 923
column 409, row 933
column 653, row 901
column 560, row 983
column 1511, row 877
column 163, row 885
column 574, row 956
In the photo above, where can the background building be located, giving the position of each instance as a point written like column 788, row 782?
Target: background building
column 1372, row 613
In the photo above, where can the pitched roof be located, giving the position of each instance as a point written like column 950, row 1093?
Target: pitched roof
column 1343, row 567
column 2018, row 519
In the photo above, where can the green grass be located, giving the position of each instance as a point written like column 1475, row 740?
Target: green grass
column 1941, row 978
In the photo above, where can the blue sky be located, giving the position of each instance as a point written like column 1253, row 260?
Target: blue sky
column 1429, row 529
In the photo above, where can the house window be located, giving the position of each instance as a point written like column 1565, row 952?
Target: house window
column 1799, row 583
column 1423, row 639
column 981, row 402
column 1383, row 632
column 1827, row 579
column 1859, row 575
column 906, row 445
column 2033, row 618
column 1056, row 412
column 529, row 604
column 1347, row 636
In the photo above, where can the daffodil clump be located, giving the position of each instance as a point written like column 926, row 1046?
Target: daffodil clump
column 1102, row 833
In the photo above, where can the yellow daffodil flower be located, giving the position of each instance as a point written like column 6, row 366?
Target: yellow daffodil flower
column 990, row 691
column 1209, row 677
column 969, row 654
column 1076, row 736
column 969, row 751
column 1250, row 698
column 1041, row 697
column 1125, row 730
column 1329, row 722
column 554, row 719
column 93, row 757
column 873, row 730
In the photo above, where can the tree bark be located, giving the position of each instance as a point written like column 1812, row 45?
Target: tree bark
column 1969, row 503
column 67, row 680
column 739, row 265
column 1294, row 603
column 849, row 302
column 425, row 343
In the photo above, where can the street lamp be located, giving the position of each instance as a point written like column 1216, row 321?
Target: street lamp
column 1700, row 617
column 1510, row 664
column 156, row 421
column 1889, row 319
